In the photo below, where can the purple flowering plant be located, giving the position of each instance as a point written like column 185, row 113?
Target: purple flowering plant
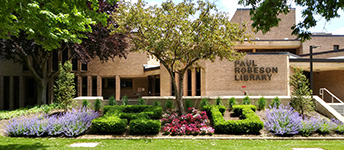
column 193, row 123
column 70, row 124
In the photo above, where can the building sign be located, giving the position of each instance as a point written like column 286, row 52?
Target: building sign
column 248, row 70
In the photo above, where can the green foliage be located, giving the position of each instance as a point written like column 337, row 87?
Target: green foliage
column 157, row 103
column 204, row 102
column 112, row 100
column 125, row 100
column 144, row 127
column 231, row 103
column 141, row 101
column 4, row 114
column 85, row 103
column 188, row 104
column 109, row 125
column 261, row 103
column 50, row 23
column 138, row 116
column 301, row 99
column 246, row 101
column 169, row 104
column 221, row 108
column 98, row 105
column 275, row 102
column 218, row 101
column 65, row 86
column 250, row 123
column 264, row 14
column 237, row 109
column 168, row 33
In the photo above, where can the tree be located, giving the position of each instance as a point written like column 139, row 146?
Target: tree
column 179, row 35
column 301, row 99
column 35, row 53
column 265, row 14
column 65, row 86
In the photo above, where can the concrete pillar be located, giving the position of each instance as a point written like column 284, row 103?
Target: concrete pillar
column 118, row 87
column 11, row 100
column 193, row 82
column 79, row 86
column 89, row 85
column 1, row 92
column 21, row 91
column 185, row 84
column 99, row 86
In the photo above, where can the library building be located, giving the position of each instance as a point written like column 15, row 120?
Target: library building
column 264, row 71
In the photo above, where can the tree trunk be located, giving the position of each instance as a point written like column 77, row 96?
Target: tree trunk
column 42, row 92
column 179, row 94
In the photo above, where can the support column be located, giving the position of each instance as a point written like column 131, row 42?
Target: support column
column 99, row 86
column 185, row 84
column 21, row 91
column 11, row 100
column 79, row 86
column 193, row 82
column 89, row 85
column 118, row 88
column 253, row 50
column 1, row 92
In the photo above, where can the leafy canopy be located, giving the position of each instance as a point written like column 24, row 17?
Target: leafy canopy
column 49, row 22
column 179, row 34
column 265, row 13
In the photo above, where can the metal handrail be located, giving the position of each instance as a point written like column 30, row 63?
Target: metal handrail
column 321, row 92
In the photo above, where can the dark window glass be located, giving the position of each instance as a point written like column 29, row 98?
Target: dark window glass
column 64, row 56
column 335, row 47
column 84, row 67
column 198, row 82
column 189, row 76
column 16, row 92
column 55, row 61
column 76, row 86
column 94, row 86
column 75, row 64
column 6, row 96
column 84, row 86
column 126, row 83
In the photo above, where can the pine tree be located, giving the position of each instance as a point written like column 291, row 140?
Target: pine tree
column 65, row 86
column 301, row 99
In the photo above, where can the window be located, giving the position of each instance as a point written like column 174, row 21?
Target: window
column 75, row 64
column 83, row 67
column 126, row 83
column 335, row 47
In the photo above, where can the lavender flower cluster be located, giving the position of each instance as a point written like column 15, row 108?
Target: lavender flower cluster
column 285, row 121
column 70, row 124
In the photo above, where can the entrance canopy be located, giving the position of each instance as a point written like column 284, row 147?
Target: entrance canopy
column 326, row 64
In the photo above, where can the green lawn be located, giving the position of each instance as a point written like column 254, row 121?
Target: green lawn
column 60, row 143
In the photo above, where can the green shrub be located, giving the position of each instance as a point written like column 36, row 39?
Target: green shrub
column 85, row 103
column 157, row 103
column 98, row 105
column 153, row 112
column 169, row 104
column 141, row 101
column 125, row 100
column 204, row 102
column 261, row 103
column 112, row 100
column 144, row 127
column 250, row 123
column 275, row 102
column 231, row 103
column 218, row 101
column 246, row 101
column 237, row 109
column 188, row 104
column 109, row 124
column 221, row 108
column 340, row 129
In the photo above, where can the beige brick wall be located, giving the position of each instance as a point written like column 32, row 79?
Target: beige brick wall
column 280, row 32
column 326, row 43
column 332, row 80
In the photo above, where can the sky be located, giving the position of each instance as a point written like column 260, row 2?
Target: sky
column 335, row 26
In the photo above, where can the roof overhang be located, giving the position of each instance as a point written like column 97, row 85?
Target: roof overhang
column 318, row 64
column 270, row 44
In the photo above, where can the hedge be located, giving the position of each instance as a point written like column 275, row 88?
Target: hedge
column 144, row 126
column 109, row 124
column 137, row 116
column 250, row 123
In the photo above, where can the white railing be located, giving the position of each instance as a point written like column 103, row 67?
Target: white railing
column 333, row 97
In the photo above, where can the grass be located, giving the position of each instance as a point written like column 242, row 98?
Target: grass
column 63, row 143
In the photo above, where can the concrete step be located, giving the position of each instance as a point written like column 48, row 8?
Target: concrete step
column 338, row 107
